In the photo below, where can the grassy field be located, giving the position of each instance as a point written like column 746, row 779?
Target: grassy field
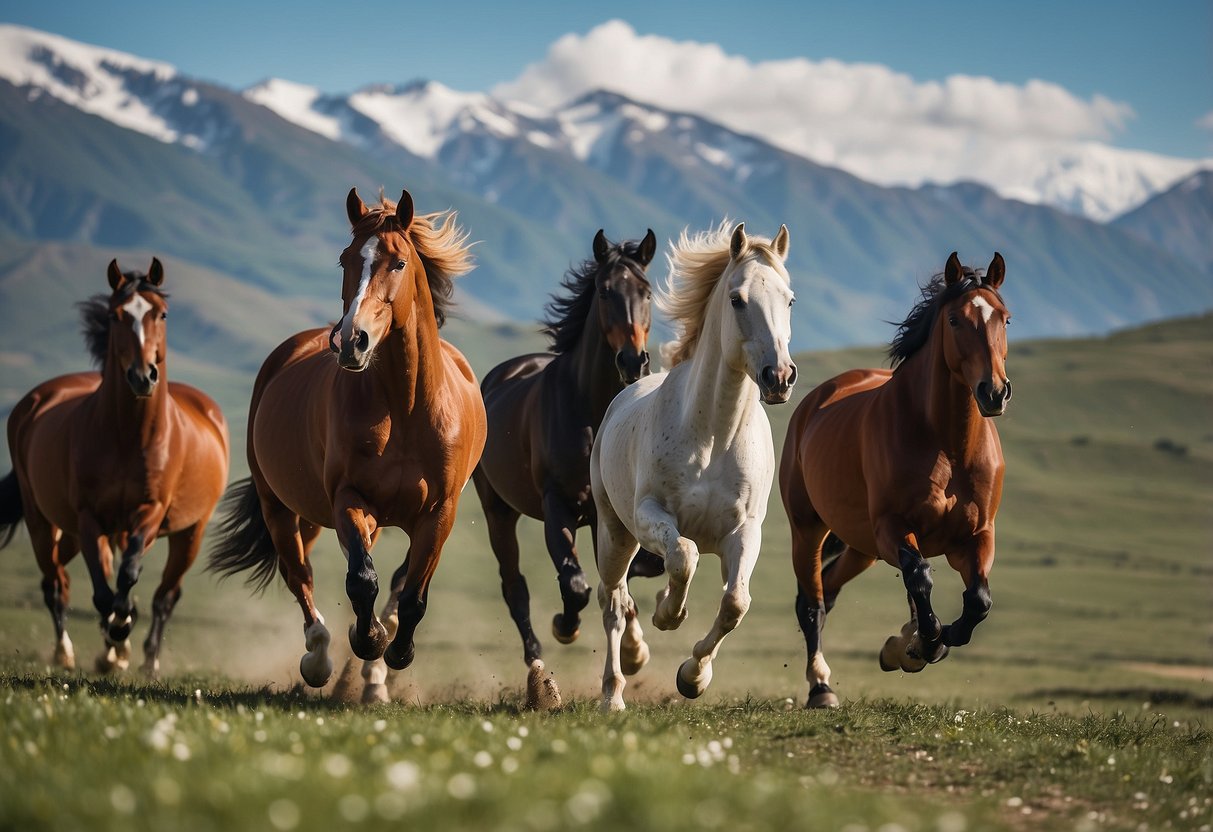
column 1082, row 702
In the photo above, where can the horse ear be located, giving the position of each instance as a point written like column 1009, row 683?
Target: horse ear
column 648, row 247
column 115, row 275
column 780, row 243
column 996, row 272
column 601, row 246
column 404, row 210
column 155, row 275
column 354, row 207
column 738, row 243
column 953, row 271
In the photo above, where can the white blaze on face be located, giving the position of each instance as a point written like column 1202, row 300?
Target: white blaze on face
column 369, row 250
column 984, row 307
column 137, row 307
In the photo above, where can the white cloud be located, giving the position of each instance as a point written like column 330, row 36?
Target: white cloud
column 879, row 124
column 1205, row 122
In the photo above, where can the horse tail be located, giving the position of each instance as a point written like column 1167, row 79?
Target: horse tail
column 11, row 510
column 244, row 540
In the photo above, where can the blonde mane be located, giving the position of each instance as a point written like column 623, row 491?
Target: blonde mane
column 439, row 240
column 696, row 265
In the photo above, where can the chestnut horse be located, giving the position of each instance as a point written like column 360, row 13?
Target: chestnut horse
column 544, row 410
column 904, row 465
column 376, row 422
column 116, row 458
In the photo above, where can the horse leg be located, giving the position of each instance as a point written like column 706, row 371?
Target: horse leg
column 296, row 569
column 974, row 567
column 633, row 651
column 425, row 549
column 560, row 535
column 145, row 526
column 95, row 546
column 183, row 548
column 920, row 642
column 356, row 531
column 615, row 550
column 740, row 552
column 657, row 531
column 53, row 550
column 808, row 535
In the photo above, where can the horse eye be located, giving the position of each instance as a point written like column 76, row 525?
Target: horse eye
column 737, row 302
column 793, row 300
column 1007, row 322
column 164, row 316
column 952, row 321
column 399, row 264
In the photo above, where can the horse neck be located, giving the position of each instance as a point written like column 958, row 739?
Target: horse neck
column 121, row 415
column 591, row 365
column 409, row 363
column 718, row 397
column 948, row 406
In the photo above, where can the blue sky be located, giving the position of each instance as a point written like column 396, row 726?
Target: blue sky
column 1156, row 57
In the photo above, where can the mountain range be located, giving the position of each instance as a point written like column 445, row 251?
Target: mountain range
column 104, row 154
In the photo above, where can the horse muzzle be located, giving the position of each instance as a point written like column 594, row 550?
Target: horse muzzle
column 991, row 402
column 142, row 382
column 775, row 385
column 632, row 366
column 353, row 355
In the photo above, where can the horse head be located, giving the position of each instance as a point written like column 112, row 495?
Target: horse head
column 622, row 302
column 974, row 331
column 759, row 328
column 137, row 332
column 380, row 268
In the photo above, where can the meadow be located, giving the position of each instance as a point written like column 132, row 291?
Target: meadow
column 1082, row 702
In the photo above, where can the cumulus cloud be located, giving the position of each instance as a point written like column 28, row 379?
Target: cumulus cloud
column 879, row 124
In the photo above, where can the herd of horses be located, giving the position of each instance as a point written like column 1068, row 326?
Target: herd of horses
column 379, row 422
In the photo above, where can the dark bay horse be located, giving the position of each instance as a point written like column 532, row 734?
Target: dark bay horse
column 116, row 458
column 376, row 422
column 903, row 465
column 544, row 410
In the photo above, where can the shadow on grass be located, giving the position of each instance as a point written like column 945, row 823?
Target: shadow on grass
column 1155, row 696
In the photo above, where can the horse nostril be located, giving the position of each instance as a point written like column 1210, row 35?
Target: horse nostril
column 644, row 358
column 152, row 374
column 792, row 376
column 767, row 376
column 983, row 391
column 362, row 341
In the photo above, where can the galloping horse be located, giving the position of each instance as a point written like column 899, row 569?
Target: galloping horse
column 119, row 458
column 684, row 460
column 903, row 465
column 543, row 412
column 376, row 422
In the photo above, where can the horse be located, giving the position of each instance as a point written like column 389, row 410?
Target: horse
column 115, row 459
column 543, row 412
column 684, row 460
column 375, row 422
column 903, row 465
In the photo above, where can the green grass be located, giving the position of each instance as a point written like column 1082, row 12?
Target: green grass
column 1098, row 647
column 103, row 755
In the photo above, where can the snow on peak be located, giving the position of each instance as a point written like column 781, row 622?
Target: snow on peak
column 296, row 103
column 421, row 116
column 90, row 78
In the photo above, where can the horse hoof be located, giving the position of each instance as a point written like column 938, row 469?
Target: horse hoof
column 374, row 694
column 669, row 622
column 561, row 632
column 632, row 662
column 820, row 696
column 612, row 706
column 912, row 664
column 65, row 655
column 890, row 654
column 370, row 647
column 692, row 690
column 315, row 672
column 542, row 692
column 151, row 667
column 937, row 653
column 398, row 657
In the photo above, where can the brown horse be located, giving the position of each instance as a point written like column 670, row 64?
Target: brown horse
column 376, row 422
column 119, row 458
column 904, row 465
column 544, row 410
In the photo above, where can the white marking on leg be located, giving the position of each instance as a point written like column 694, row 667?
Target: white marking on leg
column 137, row 307
column 819, row 671
column 984, row 307
column 65, row 653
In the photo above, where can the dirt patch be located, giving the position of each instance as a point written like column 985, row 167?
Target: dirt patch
column 1192, row 673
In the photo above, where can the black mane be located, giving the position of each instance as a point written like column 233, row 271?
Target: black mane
column 914, row 331
column 95, row 314
column 567, row 313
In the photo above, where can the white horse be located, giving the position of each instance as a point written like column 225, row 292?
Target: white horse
column 684, row 460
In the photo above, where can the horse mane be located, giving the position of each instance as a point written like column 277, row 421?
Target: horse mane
column 915, row 330
column 439, row 241
column 566, row 313
column 696, row 265
column 95, row 314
